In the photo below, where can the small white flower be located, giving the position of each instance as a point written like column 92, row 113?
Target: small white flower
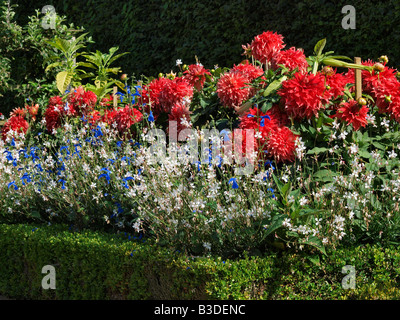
column 178, row 62
column 303, row 201
column 353, row 148
column 258, row 135
column 207, row 245
column 392, row 154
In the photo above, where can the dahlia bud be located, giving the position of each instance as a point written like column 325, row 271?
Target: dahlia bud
column 328, row 71
column 362, row 101
column 124, row 77
column 383, row 59
column 328, row 87
column 388, row 98
column 160, row 75
column 378, row 67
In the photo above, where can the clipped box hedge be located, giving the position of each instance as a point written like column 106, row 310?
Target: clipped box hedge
column 96, row 266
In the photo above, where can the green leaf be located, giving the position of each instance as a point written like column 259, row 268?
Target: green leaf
column 319, row 47
column 63, row 79
column 274, row 85
column 315, row 242
column 53, row 65
column 324, row 175
column 317, row 150
column 378, row 145
column 276, row 223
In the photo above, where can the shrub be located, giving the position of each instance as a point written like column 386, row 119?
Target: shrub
column 93, row 265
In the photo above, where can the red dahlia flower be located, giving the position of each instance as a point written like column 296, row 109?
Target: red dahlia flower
column 107, row 101
column 387, row 94
column 109, row 116
column 266, row 45
column 291, row 59
column 173, row 92
column 248, row 70
column 126, row 117
column 336, row 83
column 304, row 95
column 33, row 110
column 196, row 75
column 15, row 123
column 281, row 145
column 371, row 79
column 232, row 89
column 261, row 123
column 353, row 113
column 181, row 114
column 83, row 101
column 150, row 96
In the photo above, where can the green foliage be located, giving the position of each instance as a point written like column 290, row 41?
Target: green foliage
column 23, row 52
column 91, row 265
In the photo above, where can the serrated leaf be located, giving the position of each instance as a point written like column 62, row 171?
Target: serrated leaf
column 63, row 79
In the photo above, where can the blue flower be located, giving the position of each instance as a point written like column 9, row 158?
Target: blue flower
column 234, row 183
column 272, row 191
column 119, row 144
column 105, row 175
column 64, row 148
column 13, row 142
column 268, row 162
column 26, row 177
column 121, row 96
column 262, row 124
column 125, row 180
column 151, row 117
column 13, row 184
column 63, row 183
column 97, row 132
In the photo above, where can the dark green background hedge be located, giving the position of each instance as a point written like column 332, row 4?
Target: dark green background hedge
column 157, row 32
column 92, row 265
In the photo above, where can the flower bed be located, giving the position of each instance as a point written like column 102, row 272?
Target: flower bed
column 275, row 152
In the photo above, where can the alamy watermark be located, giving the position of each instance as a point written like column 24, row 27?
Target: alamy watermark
column 349, row 281
column 349, row 20
column 49, row 20
column 49, row 280
column 205, row 147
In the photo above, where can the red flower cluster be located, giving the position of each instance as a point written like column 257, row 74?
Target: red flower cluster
column 266, row 45
column 126, row 117
column 56, row 111
column 196, row 75
column 233, row 87
column 181, row 114
column 291, row 59
column 353, row 113
column 15, row 123
column 82, row 101
column 336, row 83
column 304, row 94
column 270, row 136
column 163, row 93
